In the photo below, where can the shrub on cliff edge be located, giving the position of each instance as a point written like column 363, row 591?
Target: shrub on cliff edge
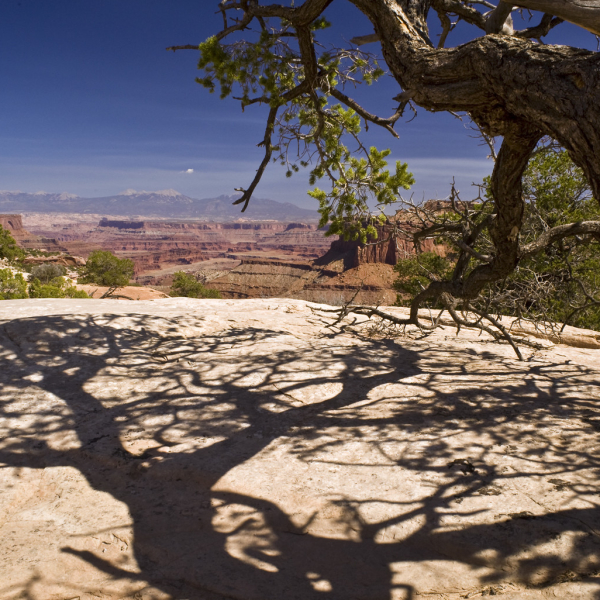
column 12, row 286
column 8, row 246
column 104, row 268
column 186, row 285
column 58, row 287
column 46, row 272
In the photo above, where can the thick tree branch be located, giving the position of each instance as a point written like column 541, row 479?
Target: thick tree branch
column 308, row 55
column 506, row 189
column 585, row 13
column 558, row 233
column 497, row 79
column 499, row 20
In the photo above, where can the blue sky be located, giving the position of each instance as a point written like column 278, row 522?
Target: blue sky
column 92, row 104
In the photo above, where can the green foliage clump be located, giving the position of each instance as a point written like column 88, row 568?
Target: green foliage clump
column 58, row 287
column 8, row 246
column 186, row 285
column 416, row 272
column 48, row 271
column 262, row 65
column 558, row 284
column 12, row 286
column 104, row 268
column 557, row 193
column 346, row 207
column 308, row 129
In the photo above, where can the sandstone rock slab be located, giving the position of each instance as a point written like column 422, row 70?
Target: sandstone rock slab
column 206, row 449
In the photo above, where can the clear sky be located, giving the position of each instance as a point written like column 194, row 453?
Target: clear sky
column 92, row 104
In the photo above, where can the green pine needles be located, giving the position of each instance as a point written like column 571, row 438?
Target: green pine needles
column 304, row 128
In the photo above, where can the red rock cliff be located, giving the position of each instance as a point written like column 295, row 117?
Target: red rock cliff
column 14, row 224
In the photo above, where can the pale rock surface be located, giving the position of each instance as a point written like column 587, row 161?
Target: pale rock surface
column 129, row 292
column 210, row 449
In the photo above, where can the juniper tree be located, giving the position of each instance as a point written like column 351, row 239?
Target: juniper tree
column 104, row 268
column 510, row 85
column 8, row 246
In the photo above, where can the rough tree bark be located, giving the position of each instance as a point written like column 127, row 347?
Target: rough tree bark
column 498, row 80
column 510, row 87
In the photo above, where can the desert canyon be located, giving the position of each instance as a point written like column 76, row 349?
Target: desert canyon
column 244, row 259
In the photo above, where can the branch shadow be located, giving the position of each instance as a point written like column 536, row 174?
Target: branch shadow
column 171, row 425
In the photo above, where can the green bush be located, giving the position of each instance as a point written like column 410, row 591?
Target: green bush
column 12, row 287
column 104, row 268
column 47, row 271
column 560, row 283
column 58, row 287
column 8, row 246
column 416, row 272
column 185, row 285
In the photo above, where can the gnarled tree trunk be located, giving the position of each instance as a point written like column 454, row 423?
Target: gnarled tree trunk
column 499, row 80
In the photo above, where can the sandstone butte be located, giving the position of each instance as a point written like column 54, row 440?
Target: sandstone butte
column 211, row 449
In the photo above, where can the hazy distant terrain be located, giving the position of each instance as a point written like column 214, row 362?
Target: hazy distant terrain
column 162, row 204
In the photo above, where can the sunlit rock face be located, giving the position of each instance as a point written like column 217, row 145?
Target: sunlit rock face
column 208, row 449
column 158, row 245
column 13, row 223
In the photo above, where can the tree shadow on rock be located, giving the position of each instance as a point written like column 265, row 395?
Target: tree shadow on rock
column 197, row 436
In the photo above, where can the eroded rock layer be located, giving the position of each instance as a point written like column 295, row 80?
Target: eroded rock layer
column 25, row 239
column 155, row 244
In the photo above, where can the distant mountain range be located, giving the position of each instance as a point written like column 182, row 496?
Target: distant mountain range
column 163, row 204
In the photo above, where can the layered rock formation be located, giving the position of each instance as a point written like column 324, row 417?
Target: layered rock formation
column 260, row 278
column 14, row 224
column 349, row 269
column 25, row 239
column 277, row 259
column 218, row 449
column 155, row 244
column 256, row 278
column 387, row 248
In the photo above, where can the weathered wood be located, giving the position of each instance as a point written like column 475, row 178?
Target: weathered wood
column 585, row 13
column 497, row 79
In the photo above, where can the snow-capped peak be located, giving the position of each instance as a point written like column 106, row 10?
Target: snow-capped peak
column 171, row 192
column 130, row 192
